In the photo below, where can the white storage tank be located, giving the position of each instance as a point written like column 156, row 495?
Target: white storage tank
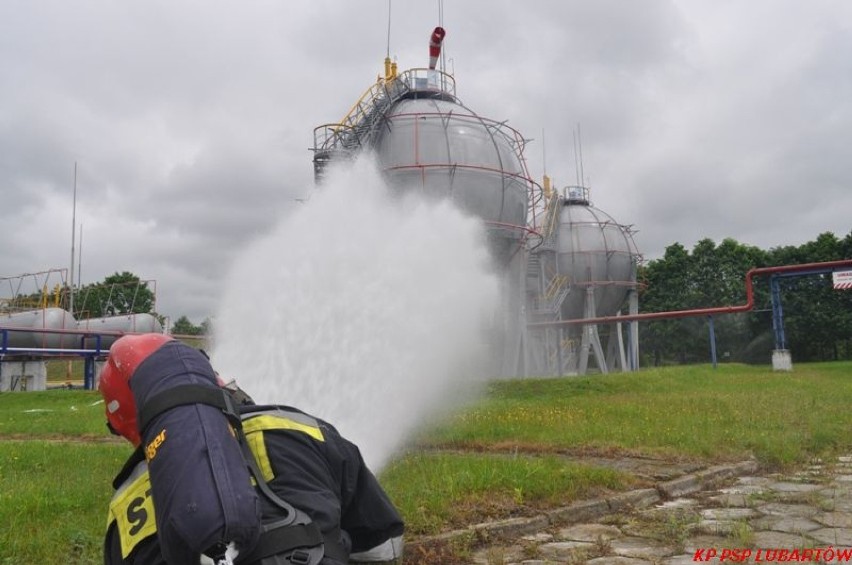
column 128, row 323
column 41, row 319
column 595, row 252
column 437, row 146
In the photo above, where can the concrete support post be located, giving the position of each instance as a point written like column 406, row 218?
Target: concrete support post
column 781, row 360
column 23, row 375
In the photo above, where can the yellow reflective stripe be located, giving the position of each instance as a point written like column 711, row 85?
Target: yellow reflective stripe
column 277, row 422
column 254, row 426
column 132, row 509
column 258, row 448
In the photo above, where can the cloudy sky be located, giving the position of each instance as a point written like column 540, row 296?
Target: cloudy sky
column 190, row 122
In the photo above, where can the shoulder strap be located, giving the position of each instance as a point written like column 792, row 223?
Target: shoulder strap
column 135, row 458
column 188, row 394
column 304, row 531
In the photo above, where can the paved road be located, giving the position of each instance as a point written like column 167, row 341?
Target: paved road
column 724, row 514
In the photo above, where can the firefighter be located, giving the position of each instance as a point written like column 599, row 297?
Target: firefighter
column 215, row 478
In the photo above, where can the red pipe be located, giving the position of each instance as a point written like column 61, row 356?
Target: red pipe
column 703, row 311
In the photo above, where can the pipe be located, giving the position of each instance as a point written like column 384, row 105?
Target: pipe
column 749, row 304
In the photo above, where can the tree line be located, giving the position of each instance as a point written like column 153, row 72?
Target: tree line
column 817, row 318
column 117, row 295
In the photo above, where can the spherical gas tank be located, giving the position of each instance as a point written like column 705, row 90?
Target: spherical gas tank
column 42, row 319
column 128, row 323
column 596, row 252
column 441, row 148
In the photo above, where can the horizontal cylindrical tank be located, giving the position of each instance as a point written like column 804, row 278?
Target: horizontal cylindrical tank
column 128, row 323
column 443, row 149
column 42, row 319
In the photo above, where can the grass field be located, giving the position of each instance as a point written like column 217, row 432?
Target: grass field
column 502, row 456
column 727, row 413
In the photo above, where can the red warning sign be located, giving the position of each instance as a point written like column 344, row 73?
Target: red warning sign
column 842, row 280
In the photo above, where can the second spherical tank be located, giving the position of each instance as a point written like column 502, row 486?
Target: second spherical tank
column 596, row 253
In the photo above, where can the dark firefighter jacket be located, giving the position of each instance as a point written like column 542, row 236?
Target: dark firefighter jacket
column 305, row 461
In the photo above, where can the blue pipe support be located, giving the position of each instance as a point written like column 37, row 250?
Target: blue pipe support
column 89, row 372
column 777, row 313
column 712, row 341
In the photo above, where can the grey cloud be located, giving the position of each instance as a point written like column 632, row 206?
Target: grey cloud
column 191, row 122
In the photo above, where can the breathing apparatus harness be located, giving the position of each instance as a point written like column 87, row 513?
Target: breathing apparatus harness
column 294, row 536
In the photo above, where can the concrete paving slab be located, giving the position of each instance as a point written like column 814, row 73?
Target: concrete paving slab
column 811, row 511
column 729, row 500
column 839, row 504
column 589, row 533
column 512, row 528
column 540, row 537
column 728, row 513
column 694, row 543
column 835, row 519
column 499, row 554
column 641, row 498
column 785, row 509
column 616, row 560
column 838, row 537
column 568, row 551
column 776, row 540
column 747, row 479
column 680, row 487
column 683, row 559
column 641, row 548
column 578, row 512
column 786, row 524
column 795, row 488
column 716, row 527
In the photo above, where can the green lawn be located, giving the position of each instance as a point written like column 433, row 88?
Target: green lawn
column 53, row 499
column 732, row 412
column 499, row 457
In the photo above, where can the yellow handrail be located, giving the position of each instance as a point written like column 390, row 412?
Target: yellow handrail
column 381, row 87
column 556, row 284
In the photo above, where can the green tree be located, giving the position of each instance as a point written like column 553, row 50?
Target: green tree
column 118, row 294
column 664, row 289
column 711, row 276
column 183, row 326
column 817, row 318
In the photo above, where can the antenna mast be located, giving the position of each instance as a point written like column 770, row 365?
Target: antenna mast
column 441, row 23
column 80, row 259
column 576, row 159
column 73, row 233
column 580, row 146
column 389, row 29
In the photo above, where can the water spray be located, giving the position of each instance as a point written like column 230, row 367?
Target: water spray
column 366, row 308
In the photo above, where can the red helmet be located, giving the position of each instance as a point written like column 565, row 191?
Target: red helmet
column 125, row 355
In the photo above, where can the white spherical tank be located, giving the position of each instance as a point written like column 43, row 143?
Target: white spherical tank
column 438, row 146
column 425, row 141
column 596, row 253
